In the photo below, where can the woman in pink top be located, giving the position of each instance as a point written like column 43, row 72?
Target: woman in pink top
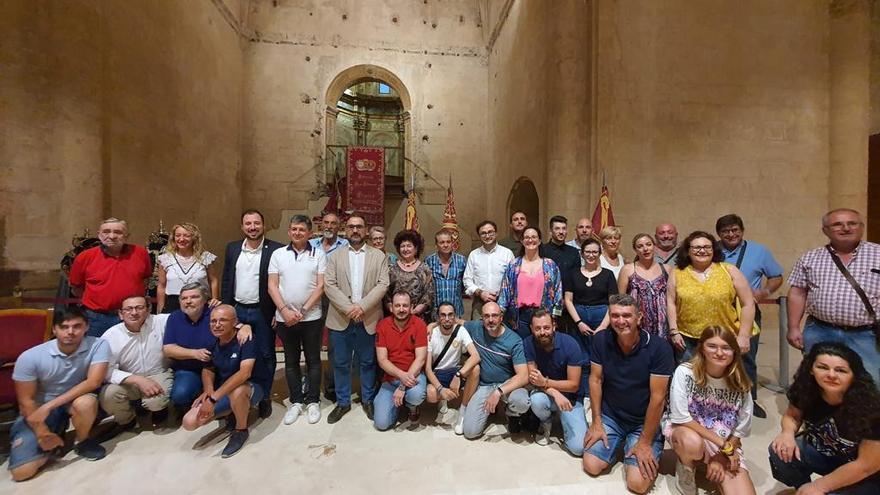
column 530, row 282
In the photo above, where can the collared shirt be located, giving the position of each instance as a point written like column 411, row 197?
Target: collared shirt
column 226, row 359
column 554, row 364
column 247, row 273
column 56, row 372
column 757, row 262
column 182, row 331
column 401, row 344
column 626, row 378
column 829, row 296
column 356, row 260
column 318, row 243
column 485, row 269
column 298, row 277
column 136, row 353
column 498, row 355
column 106, row 279
column 448, row 286
column 563, row 255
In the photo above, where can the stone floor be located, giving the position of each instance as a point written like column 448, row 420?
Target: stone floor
column 352, row 457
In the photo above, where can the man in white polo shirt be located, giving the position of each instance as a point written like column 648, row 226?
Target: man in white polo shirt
column 296, row 284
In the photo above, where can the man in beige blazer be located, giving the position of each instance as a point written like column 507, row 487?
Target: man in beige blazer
column 355, row 281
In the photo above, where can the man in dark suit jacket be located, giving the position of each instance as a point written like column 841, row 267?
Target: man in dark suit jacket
column 245, row 286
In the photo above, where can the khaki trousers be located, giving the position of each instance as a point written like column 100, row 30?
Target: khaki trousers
column 116, row 399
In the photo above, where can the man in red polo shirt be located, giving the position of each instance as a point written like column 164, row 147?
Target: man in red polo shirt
column 108, row 273
column 401, row 350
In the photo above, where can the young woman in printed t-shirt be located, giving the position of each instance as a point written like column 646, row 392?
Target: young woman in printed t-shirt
column 710, row 412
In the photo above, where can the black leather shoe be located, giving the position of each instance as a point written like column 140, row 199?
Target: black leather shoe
column 758, row 411
column 265, row 408
column 337, row 413
column 368, row 409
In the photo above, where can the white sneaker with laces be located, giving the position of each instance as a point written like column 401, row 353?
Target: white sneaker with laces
column 442, row 407
column 459, row 423
column 685, row 479
column 293, row 413
column 313, row 412
column 543, row 436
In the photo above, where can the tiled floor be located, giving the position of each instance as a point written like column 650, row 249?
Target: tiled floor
column 352, row 457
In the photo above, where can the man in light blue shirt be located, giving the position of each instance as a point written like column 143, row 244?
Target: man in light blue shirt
column 764, row 275
column 55, row 383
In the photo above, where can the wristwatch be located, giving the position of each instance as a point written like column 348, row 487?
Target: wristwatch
column 458, row 374
column 212, row 400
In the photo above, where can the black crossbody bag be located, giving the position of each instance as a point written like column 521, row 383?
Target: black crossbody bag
column 861, row 292
column 439, row 357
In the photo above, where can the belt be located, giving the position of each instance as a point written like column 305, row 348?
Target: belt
column 842, row 327
column 249, row 306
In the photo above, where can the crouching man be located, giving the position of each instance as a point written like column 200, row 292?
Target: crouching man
column 228, row 381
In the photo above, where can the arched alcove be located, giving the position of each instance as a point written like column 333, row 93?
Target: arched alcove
column 524, row 197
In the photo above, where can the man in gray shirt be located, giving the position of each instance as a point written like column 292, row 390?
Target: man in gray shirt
column 54, row 383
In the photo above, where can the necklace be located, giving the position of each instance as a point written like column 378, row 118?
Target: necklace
column 589, row 278
column 408, row 264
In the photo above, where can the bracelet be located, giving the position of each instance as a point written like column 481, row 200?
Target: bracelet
column 578, row 322
column 500, row 390
column 211, row 399
column 440, row 390
column 728, row 448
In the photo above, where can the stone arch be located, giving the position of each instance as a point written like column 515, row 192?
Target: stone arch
column 524, row 197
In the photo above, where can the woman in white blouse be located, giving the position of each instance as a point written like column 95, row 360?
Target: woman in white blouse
column 611, row 257
column 185, row 261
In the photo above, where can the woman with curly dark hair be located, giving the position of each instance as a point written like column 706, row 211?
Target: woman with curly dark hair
column 410, row 275
column 703, row 291
column 831, row 427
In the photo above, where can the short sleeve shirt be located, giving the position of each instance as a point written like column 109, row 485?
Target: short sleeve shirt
column 401, row 344
column 226, row 359
column 180, row 271
column 456, row 349
column 106, row 279
column 190, row 335
column 498, row 355
column 56, row 372
column 757, row 262
column 298, row 277
column 626, row 379
column 596, row 293
column 554, row 365
column 823, row 429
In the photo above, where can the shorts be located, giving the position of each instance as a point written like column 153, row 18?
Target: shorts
column 25, row 447
column 223, row 405
column 709, row 448
column 618, row 436
column 445, row 376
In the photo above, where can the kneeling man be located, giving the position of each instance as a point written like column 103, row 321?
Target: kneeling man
column 401, row 348
column 228, row 380
column 629, row 378
column 555, row 361
column 55, row 383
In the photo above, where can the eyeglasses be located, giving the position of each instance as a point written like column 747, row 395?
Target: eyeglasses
column 731, row 230
column 701, row 249
column 487, row 234
column 726, row 349
column 133, row 309
column 591, row 253
column 841, row 225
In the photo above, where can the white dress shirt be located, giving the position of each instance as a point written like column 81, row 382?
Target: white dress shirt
column 247, row 274
column 136, row 353
column 356, row 260
column 485, row 269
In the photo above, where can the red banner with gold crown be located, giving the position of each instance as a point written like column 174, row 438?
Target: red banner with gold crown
column 365, row 184
column 602, row 216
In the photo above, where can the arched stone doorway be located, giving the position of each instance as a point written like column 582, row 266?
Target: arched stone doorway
column 524, row 197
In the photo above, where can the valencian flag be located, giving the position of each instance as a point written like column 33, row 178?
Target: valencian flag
column 412, row 219
column 450, row 221
column 602, row 216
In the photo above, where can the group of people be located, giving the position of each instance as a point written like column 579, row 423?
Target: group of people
column 627, row 353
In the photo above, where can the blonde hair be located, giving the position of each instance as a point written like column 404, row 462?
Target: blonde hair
column 609, row 231
column 736, row 378
column 198, row 249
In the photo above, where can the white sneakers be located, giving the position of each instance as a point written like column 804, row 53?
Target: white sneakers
column 543, row 436
column 293, row 413
column 313, row 413
column 685, row 480
column 442, row 407
column 459, row 422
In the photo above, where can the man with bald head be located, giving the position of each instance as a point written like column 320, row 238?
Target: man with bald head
column 665, row 242
column 583, row 231
column 503, row 373
column 229, row 381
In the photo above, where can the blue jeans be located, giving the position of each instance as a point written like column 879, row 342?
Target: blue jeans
column 187, row 385
column 574, row 424
column 384, row 410
column 100, row 322
column 524, row 322
column 862, row 341
column 354, row 339
column 622, row 435
column 592, row 316
column 264, row 340
column 797, row 472
column 25, row 447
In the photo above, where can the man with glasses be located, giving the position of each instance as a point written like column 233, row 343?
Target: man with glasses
column 757, row 264
column 355, row 282
column 137, row 370
column 485, row 268
column 838, row 287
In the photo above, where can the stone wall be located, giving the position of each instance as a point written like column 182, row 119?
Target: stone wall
column 129, row 109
